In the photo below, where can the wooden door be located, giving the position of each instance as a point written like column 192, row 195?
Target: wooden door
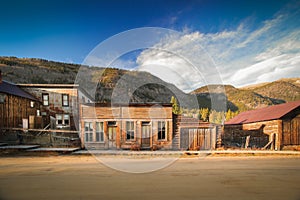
column 112, row 130
column 146, row 134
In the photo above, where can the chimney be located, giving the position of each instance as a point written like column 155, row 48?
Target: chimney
column 0, row 76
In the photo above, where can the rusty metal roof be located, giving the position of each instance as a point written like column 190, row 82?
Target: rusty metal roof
column 264, row 114
column 10, row 88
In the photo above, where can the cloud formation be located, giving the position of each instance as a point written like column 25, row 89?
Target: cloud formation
column 243, row 55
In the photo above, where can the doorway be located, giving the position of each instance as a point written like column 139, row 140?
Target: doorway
column 146, row 134
column 112, row 132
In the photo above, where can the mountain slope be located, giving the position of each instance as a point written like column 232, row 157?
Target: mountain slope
column 110, row 82
column 132, row 86
column 286, row 90
column 237, row 99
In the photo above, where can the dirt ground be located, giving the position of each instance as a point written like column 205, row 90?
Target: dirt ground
column 84, row 177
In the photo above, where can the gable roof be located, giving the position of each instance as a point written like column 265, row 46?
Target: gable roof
column 10, row 88
column 264, row 114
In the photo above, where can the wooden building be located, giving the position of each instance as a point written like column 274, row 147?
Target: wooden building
column 18, row 109
column 60, row 102
column 193, row 134
column 271, row 127
column 133, row 126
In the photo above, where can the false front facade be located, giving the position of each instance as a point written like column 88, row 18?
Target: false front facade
column 133, row 126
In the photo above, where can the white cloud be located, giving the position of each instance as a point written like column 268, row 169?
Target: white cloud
column 243, row 56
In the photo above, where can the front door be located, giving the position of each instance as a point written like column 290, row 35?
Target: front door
column 146, row 134
column 112, row 130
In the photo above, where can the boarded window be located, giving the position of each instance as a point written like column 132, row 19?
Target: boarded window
column 129, row 130
column 161, row 135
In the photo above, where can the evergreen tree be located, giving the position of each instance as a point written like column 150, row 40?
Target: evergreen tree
column 175, row 107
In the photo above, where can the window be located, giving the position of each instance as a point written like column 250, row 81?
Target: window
column 88, row 131
column 129, row 130
column 59, row 120
column 63, row 120
column 31, row 104
column 66, row 120
column 45, row 99
column 99, row 132
column 111, row 123
column 65, row 100
column 161, row 130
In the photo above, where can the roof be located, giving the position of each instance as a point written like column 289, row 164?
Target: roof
column 10, row 88
column 131, row 104
column 265, row 114
column 49, row 85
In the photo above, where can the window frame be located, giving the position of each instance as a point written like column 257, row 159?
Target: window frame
column 130, row 130
column 45, row 102
column 63, row 118
column 99, row 132
column 88, row 133
column 65, row 102
column 32, row 103
column 161, row 131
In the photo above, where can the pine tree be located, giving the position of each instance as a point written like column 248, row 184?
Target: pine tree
column 175, row 107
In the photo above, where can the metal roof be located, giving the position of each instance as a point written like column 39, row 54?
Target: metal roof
column 264, row 114
column 10, row 88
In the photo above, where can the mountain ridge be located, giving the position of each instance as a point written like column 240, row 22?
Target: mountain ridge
column 151, row 88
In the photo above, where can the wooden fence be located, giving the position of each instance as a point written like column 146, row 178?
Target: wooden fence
column 45, row 138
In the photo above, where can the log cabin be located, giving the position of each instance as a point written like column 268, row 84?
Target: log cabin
column 272, row 127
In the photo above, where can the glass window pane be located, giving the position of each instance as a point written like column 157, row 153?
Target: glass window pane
column 86, row 137
column 97, row 136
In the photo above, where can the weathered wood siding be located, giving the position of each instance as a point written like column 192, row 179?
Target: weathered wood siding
column 291, row 131
column 15, row 109
column 55, row 102
column 286, row 132
column 198, row 138
column 147, row 113
column 121, row 114
column 260, row 132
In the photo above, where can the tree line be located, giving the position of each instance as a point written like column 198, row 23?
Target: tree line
column 204, row 114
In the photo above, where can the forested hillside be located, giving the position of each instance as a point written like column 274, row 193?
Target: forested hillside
column 119, row 85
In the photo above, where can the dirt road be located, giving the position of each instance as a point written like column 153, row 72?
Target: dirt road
column 84, row 177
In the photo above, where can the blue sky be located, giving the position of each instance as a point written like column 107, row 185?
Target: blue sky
column 250, row 41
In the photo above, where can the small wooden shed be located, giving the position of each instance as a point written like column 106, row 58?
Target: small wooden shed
column 193, row 134
column 271, row 127
column 18, row 109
